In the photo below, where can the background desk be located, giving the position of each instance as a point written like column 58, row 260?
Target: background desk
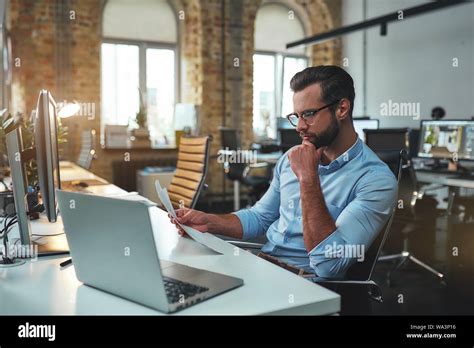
column 443, row 179
column 40, row 287
column 72, row 172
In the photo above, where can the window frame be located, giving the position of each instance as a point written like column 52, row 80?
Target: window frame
column 142, row 65
column 279, row 77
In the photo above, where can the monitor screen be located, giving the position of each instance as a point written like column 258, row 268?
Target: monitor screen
column 289, row 138
column 47, row 157
column 447, row 139
column 229, row 139
column 283, row 123
column 360, row 125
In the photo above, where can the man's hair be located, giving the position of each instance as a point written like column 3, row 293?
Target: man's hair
column 334, row 81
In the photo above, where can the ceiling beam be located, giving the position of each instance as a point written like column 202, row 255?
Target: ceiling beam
column 382, row 21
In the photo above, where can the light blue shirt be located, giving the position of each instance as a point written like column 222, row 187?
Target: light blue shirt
column 360, row 192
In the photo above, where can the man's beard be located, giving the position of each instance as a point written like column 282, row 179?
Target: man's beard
column 327, row 137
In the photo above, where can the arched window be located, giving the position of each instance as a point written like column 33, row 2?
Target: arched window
column 139, row 59
column 274, row 66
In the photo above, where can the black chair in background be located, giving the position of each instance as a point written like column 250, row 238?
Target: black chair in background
column 386, row 143
column 88, row 152
column 255, row 176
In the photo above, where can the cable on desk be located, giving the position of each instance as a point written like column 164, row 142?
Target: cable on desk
column 7, row 226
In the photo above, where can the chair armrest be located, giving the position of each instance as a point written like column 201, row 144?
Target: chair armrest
column 374, row 290
column 422, row 191
column 247, row 245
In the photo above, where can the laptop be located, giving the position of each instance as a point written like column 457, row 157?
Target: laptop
column 114, row 249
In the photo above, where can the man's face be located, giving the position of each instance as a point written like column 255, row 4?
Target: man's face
column 325, row 128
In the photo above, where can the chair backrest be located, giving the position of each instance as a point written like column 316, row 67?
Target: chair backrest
column 87, row 153
column 191, row 171
column 387, row 144
column 413, row 142
column 364, row 270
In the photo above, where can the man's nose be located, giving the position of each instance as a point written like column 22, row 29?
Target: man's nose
column 301, row 126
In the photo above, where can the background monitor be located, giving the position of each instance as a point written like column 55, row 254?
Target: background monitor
column 364, row 123
column 288, row 138
column 229, row 138
column 47, row 156
column 283, row 123
column 445, row 139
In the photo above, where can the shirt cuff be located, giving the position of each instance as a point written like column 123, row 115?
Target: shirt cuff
column 326, row 258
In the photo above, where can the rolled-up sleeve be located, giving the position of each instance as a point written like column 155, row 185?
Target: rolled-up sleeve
column 356, row 227
column 256, row 220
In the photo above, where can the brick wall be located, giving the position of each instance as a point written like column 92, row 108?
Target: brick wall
column 69, row 65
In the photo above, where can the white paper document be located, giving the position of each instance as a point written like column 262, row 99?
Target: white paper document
column 200, row 237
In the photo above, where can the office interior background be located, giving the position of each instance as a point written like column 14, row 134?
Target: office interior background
column 222, row 68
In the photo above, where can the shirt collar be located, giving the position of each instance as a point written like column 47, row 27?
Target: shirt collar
column 343, row 159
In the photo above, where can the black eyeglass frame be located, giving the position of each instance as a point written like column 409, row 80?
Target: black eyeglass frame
column 309, row 113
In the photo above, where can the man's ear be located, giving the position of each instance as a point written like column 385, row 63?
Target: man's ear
column 343, row 109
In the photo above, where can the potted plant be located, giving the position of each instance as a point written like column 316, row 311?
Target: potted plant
column 140, row 136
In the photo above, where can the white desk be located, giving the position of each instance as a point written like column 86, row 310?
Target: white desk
column 41, row 288
column 443, row 179
column 72, row 172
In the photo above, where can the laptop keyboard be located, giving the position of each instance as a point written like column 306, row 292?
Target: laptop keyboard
column 177, row 290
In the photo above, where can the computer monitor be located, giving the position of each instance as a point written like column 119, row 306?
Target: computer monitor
column 288, row 138
column 229, row 138
column 47, row 154
column 283, row 123
column 364, row 123
column 447, row 139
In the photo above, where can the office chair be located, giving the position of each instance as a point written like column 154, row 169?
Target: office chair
column 241, row 173
column 410, row 218
column 87, row 153
column 191, row 171
column 358, row 287
column 386, row 143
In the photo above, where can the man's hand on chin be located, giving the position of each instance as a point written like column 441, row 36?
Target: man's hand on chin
column 304, row 161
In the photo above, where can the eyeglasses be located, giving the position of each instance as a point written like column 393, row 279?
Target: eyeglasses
column 309, row 116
